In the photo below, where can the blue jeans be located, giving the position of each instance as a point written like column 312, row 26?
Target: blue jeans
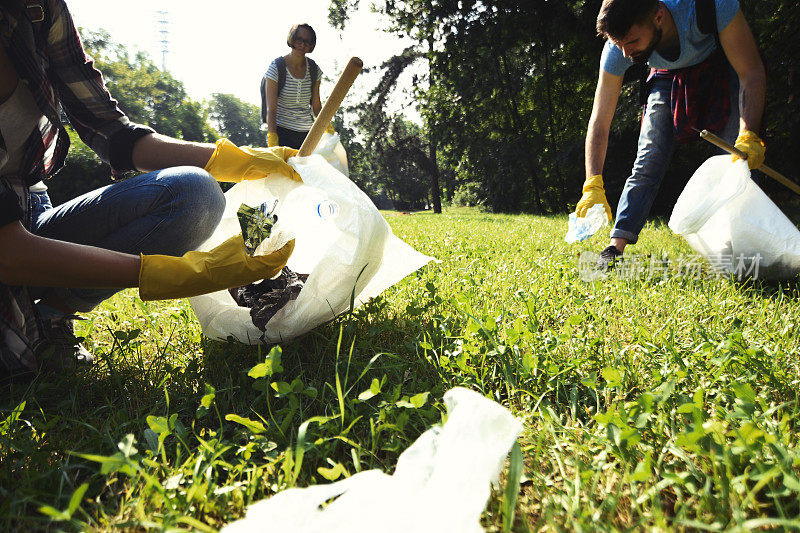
column 655, row 149
column 168, row 211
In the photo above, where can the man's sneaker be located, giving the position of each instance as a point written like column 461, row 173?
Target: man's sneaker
column 60, row 349
column 608, row 258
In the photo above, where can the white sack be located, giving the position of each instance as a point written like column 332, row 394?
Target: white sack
column 441, row 483
column 727, row 218
column 341, row 240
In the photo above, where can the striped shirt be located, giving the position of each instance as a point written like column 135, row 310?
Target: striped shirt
column 294, row 101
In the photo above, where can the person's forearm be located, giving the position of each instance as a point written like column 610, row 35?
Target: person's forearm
column 272, row 121
column 155, row 151
column 752, row 96
column 595, row 149
column 29, row 259
column 316, row 101
column 271, row 97
column 605, row 102
column 742, row 52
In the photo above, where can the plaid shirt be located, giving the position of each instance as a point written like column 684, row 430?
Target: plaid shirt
column 49, row 58
column 42, row 43
column 700, row 96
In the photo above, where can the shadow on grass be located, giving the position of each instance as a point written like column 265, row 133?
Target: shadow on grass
column 91, row 410
column 773, row 289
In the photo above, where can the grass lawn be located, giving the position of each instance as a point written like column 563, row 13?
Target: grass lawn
column 654, row 399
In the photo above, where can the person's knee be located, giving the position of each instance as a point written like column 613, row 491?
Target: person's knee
column 196, row 191
column 198, row 201
column 206, row 193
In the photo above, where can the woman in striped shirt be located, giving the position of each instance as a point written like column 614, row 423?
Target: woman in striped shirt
column 291, row 90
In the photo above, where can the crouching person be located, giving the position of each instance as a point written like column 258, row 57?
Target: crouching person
column 55, row 262
column 705, row 73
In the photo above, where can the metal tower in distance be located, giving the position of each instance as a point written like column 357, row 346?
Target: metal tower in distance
column 162, row 19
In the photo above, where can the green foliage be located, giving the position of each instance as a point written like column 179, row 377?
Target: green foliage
column 399, row 165
column 145, row 93
column 774, row 24
column 338, row 12
column 359, row 159
column 507, row 98
column 396, row 161
column 237, row 120
column 509, row 91
column 467, row 195
column 515, row 469
column 82, row 172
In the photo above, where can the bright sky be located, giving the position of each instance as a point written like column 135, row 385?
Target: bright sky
column 226, row 46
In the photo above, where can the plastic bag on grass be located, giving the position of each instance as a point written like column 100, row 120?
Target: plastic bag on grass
column 581, row 228
column 341, row 241
column 441, row 483
column 727, row 218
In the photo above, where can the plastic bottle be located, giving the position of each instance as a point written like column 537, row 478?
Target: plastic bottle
column 581, row 228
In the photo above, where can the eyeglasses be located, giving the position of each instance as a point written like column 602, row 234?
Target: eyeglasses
column 300, row 40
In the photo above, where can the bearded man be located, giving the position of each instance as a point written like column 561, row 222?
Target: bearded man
column 705, row 73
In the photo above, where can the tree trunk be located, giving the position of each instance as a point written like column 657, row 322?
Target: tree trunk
column 562, row 193
column 436, row 195
column 449, row 183
column 516, row 121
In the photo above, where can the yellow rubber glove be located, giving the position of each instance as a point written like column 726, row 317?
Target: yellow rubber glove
column 272, row 139
column 330, row 129
column 234, row 164
column 163, row 277
column 593, row 193
column 751, row 144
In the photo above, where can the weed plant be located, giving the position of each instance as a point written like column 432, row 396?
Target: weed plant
column 650, row 402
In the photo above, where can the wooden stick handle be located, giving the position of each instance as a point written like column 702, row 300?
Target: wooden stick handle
column 783, row 180
column 718, row 141
column 332, row 104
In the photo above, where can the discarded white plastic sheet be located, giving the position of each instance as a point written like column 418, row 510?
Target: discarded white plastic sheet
column 341, row 240
column 441, row 483
column 581, row 228
column 727, row 218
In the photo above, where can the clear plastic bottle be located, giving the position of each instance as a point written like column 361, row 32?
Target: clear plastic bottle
column 327, row 209
column 581, row 228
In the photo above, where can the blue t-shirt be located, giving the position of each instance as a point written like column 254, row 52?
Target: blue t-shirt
column 695, row 46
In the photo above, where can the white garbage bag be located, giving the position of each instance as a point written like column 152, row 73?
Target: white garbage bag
column 727, row 218
column 441, row 483
column 581, row 228
column 341, row 241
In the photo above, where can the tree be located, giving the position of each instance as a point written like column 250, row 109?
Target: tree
column 774, row 24
column 509, row 89
column 237, row 120
column 402, row 165
column 495, row 106
column 379, row 122
column 147, row 95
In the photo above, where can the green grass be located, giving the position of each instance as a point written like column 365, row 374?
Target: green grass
column 648, row 403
